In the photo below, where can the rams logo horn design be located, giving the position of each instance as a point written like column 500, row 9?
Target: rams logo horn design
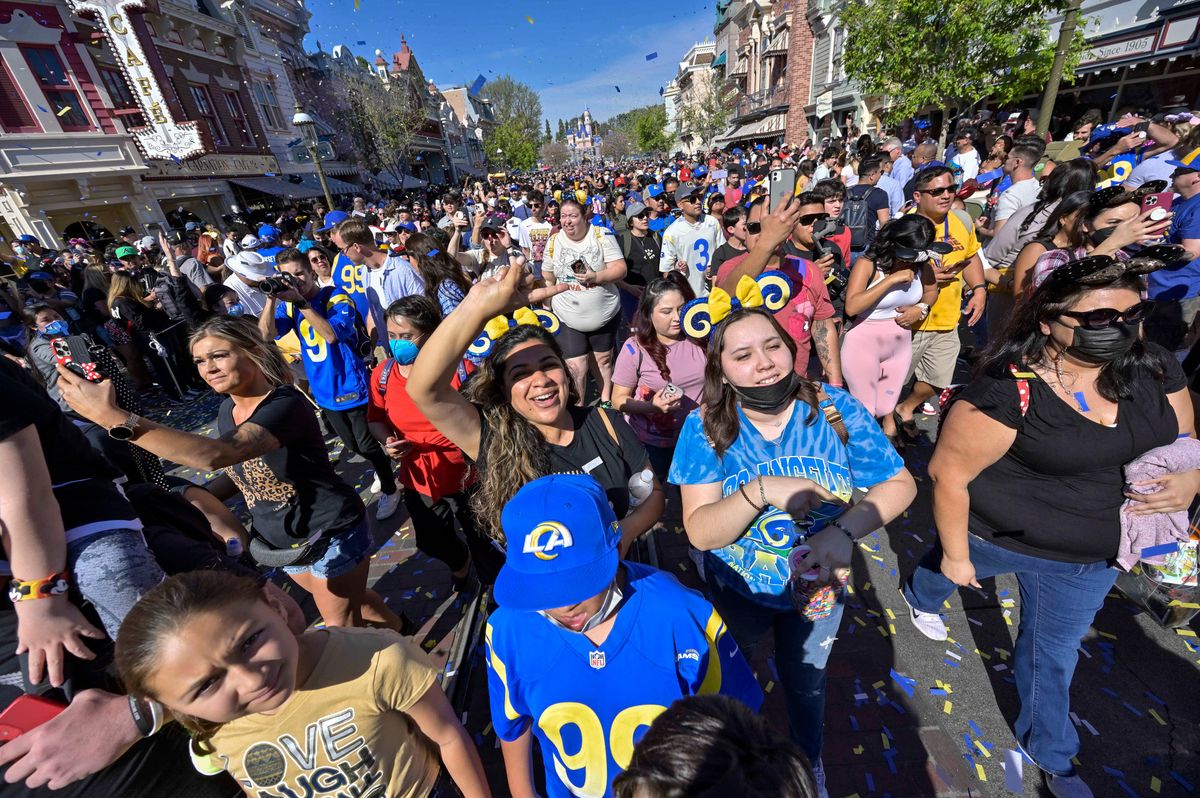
column 545, row 538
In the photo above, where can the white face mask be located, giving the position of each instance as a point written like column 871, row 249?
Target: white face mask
column 612, row 600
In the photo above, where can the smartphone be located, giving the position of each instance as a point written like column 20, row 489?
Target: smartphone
column 25, row 714
column 73, row 353
column 671, row 391
column 783, row 185
column 579, row 267
column 1162, row 200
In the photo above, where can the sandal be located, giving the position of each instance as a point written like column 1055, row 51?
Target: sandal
column 905, row 430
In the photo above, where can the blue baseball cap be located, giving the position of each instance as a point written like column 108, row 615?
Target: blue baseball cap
column 1188, row 163
column 25, row 238
column 562, row 544
column 333, row 218
column 268, row 233
column 654, row 190
column 40, row 275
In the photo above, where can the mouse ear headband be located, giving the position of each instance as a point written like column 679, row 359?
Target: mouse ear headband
column 498, row 326
column 770, row 290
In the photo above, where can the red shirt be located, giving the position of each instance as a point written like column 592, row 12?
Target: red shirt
column 434, row 466
column 809, row 303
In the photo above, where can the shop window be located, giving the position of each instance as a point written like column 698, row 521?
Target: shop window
column 118, row 89
column 15, row 114
column 207, row 112
column 62, row 99
column 97, row 235
column 268, row 103
column 240, row 123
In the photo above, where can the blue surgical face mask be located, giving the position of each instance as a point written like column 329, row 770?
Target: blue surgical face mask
column 56, row 329
column 236, row 309
column 404, row 350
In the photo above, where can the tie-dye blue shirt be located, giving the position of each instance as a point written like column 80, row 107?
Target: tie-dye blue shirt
column 756, row 563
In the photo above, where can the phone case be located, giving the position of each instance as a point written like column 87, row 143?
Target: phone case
column 73, row 353
column 26, row 713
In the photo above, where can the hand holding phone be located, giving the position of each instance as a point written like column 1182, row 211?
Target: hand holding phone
column 25, row 714
column 1159, row 205
column 782, row 186
column 72, row 353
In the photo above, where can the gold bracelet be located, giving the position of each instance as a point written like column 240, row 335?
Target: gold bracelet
column 762, row 493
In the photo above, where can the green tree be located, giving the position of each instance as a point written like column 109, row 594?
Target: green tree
column 516, row 103
column 649, row 130
column 383, row 121
column 546, row 135
column 920, row 54
column 707, row 114
column 562, row 130
column 508, row 146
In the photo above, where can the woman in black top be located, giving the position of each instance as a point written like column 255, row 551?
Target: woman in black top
column 525, row 423
column 1028, row 479
column 270, row 447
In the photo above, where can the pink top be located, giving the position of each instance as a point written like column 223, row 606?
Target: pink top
column 635, row 369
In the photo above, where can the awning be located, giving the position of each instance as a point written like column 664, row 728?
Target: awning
column 772, row 125
column 720, row 61
column 384, row 180
column 308, row 188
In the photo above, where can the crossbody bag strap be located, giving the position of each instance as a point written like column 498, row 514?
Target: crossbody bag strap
column 833, row 416
column 608, row 425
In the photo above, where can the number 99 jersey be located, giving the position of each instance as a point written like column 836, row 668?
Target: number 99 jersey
column 352, row 280
column 588, row 704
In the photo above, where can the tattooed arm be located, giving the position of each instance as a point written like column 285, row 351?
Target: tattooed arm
column 825, row 340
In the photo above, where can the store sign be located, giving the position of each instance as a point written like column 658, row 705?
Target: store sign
column 218, row 166
column 824, row 104
column 162, row 138
column 1119, row 50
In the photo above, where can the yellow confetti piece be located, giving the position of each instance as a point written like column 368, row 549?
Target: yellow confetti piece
column 985, row 656
column 886, row 742
column 1185, row 632
column 890, row 614
column 66, row 110
column 877, row 685
column 950, row 640
column 979, row 772
column 488, row 728
column 1155, row 784
column 859, row 621
column 770, row 686
column 867, row 586
column 1187, row 605
column 858, row 749
column 1075, row 761
column 1106, row 634
column 357, row 4
column 1157, row 717
column 946, row 604
column 946, row 687
column 529, row 19
column 983, row 750
column 947, row 707
column 429, row 644
column 882, row 631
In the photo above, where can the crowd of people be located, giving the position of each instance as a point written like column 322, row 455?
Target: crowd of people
column 540, row 372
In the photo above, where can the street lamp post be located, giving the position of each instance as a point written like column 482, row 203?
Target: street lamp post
column 308, row 129
column 500, row 157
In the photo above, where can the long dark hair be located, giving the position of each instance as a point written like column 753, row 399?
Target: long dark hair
column 720, row 415
column 643, row 324
column 913, row 231
column 419, row 311
column 516, row 452
column 1072, row 203
column 1083, row 222
column 1077, row 174
column 1024, row 343
column 435, row 265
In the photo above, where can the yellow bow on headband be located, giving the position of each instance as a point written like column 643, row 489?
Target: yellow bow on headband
column 771, row 290
column 501, row 324
column 498, row 326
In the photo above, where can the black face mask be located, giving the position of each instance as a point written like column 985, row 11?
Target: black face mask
column 768, row 397
column 1098, row 237
column 1103, row 346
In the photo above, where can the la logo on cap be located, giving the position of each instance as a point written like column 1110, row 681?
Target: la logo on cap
column 556, row 536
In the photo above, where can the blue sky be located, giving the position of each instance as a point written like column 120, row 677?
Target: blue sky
column 573, row 54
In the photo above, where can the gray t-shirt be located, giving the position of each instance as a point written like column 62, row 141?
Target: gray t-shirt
column 194, row 270
column 1005, row 246
column 583, row 309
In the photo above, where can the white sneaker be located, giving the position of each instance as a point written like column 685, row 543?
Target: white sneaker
column 819, row 778
column 375, row 486
column 388, row 504
column 929, row 624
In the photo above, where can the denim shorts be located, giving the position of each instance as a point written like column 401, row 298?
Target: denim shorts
column 345, row 551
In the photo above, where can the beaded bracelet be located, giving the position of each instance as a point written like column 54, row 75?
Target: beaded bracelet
column 742, row 490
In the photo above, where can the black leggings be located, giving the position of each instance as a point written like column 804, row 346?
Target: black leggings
column 433, row 524
column 351, row 426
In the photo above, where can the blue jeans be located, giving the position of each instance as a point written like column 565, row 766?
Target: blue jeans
column 1058, row 602
column 801, row 650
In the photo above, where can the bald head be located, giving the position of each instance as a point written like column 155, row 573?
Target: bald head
column 925, row 152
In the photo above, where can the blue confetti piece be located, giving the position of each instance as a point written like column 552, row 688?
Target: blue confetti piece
column 1165, row 548
column 360, row 43
column 870, row 782
column 478, row 84
column 433, row 252
column 1155, row 698
column 618, row 88
column 1108, row 691
column 1133, row 709
column 1128, row 790
column 660, row 91
column 934, row 690
column 854, row 723
column 974, row 728
column 268, row 174
column 1184, row 783
column 890, row 757
column 651, row 56
column 951, row 663
column 1116, row 774
column 43, row 110
column 906, row 684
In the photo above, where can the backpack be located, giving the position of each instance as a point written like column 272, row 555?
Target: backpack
column 857, row 215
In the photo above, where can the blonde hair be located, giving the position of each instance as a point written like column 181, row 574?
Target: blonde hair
column 242, row 334
column 122, row 285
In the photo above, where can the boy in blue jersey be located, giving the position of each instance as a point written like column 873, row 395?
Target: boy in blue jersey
column 585, row 650
column 326, row 323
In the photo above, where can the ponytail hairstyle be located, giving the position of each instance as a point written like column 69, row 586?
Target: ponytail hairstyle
column 1077, row 174
column 161, row 613
column 516, row 452
column 241, row 332
column 720, row 414
column 643, row 324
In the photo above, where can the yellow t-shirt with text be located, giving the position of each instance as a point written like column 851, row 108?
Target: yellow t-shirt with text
column 344, row 732
column 946, row 311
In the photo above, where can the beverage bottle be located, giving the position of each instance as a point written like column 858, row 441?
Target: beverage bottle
column 641, row 485
column 233, row 547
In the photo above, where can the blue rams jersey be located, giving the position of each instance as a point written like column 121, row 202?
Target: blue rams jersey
column 352, row 280
column 588, row 704
column 270, row 253
column 756, row 564
column 337, row 377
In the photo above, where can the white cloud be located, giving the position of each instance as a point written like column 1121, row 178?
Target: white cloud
column 638, row 78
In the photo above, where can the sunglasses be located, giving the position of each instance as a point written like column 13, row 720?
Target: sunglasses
column 936, row 192
column 809, row 219
column 753, row 228
column 1103, row 318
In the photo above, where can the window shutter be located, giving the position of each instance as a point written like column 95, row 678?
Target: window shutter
column 15, row 114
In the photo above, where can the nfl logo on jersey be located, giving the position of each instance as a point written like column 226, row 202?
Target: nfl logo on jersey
column 596, row 659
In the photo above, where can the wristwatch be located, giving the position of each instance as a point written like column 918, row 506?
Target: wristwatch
column 126, row 429
column 924, row 307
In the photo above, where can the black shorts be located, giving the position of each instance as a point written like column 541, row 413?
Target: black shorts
column 578, row 344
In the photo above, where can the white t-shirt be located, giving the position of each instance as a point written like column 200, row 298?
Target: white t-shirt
column 690, row 248
column 1015, row 197
column 969, row 162
column 583, row 309
column 252, row 298
column 533, row 236
column 849, row 175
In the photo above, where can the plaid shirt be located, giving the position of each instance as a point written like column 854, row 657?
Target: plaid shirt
column 1054, row 258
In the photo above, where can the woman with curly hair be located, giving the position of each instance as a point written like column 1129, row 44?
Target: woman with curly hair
column 522, row 421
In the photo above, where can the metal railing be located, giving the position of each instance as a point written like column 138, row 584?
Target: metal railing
column 765, row 98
